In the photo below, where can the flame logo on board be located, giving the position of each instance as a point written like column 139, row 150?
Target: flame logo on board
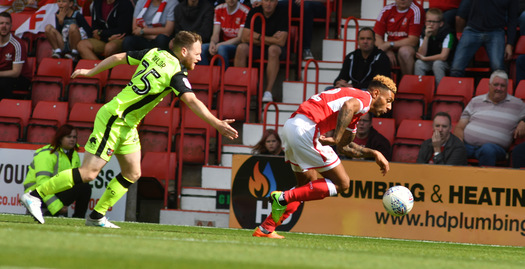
column 262, row 184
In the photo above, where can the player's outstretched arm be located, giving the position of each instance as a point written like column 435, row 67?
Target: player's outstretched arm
column 355, row 151
column 223, row 126
column 106, row 64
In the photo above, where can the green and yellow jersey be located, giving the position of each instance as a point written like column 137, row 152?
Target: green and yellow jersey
column 158, row 73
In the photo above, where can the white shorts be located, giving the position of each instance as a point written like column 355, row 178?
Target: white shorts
column 302, row 148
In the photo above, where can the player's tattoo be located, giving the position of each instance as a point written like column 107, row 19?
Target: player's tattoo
column 354, row 150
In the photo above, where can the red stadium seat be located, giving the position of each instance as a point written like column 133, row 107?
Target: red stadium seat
column 119, row 77
column 153, row 132
column 409, row 137
column 386, row 127
column 86, row 89
column 47, row 117
column 520, row 90
column 82, row 117
column 160, row 166
column 413, row 96
column 204, row 78
column 237, row 88
column 14, row 116
column 452, row 95
column 51, row 79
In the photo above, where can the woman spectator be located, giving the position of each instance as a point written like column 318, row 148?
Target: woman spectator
column 48, row 161
column 269, row 144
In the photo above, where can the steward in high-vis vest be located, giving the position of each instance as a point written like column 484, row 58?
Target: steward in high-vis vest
column 49, row 161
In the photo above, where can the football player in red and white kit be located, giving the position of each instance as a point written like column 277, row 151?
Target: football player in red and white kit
column 309, row 151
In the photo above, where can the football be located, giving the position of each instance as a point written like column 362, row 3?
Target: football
column 398, row 201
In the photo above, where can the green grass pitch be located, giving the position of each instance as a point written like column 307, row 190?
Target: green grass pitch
column 67, row 243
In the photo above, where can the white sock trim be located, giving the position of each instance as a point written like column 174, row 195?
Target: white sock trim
column 331, row 187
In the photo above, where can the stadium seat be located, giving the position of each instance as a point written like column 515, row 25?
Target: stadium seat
column 29, row 68
column 237, row 88
column 119, row 77
column 386, row 127
column 196, row 137
column 153, row 131
column 452, row 95
column 86, row 89
column 413, row 96
column 409, row 137
column 483, row 87
column 520, row 90
column 14, row 116
column 43, row 50
column 155, row 165
column 205, row 78
column 47, row 117
column 82, row 116
column 480, row 65
column 51, row 78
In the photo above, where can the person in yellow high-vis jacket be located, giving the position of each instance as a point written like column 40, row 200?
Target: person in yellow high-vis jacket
column 51, row 159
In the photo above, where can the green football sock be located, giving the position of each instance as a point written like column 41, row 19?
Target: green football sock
column 62, row 181
column 117, row 187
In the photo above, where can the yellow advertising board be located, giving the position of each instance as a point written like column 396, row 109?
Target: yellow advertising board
column 451, row 203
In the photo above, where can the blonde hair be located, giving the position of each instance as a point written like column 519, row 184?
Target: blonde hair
column 383, row 82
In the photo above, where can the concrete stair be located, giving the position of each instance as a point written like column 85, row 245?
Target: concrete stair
column 199, row 206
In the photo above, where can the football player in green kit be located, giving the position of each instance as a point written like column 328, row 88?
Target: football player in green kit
column 115, row 129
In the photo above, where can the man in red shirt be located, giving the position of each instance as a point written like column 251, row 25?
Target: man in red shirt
column 402, row 23
column 309, row 151
column 13, row 55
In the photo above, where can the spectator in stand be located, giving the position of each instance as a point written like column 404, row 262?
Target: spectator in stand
column 248, row 3
column 51, row 159
column 274, row 38
column 402, row 22
column 312, row 9
column 521, row 19
column 70, row 27
column 362, row 65
column 435, row 46
column 491, row 121
column 443, row 147
column 111, row 22
column 195, row 16
column 368, row 137
column 486, row 25
column 228, row 24
column 14, row 55
column 449, row 9
column 153, row 24
column 270, row 144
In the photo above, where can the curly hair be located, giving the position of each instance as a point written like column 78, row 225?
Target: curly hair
column 383, row 82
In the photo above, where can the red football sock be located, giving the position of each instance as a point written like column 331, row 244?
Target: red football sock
column 270, row 225
column 314, row 190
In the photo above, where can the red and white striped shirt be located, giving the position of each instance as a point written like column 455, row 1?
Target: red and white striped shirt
column 323, row 108
column 400, row 24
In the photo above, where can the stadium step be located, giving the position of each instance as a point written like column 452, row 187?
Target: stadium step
column 293, row 90
column 204, row 199
column 216, row 177
column 229, row 150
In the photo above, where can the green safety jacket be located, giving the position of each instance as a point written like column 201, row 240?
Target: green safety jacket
column 44, row 166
